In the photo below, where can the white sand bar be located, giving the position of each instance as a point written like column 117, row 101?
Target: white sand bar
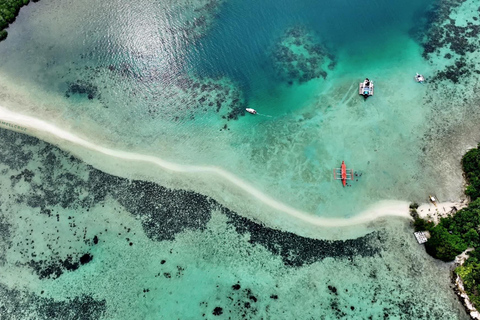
column 296, row 219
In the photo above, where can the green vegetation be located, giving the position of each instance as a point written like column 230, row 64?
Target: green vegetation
column 471, row 167
column 418, row 223
column 8, row 12
column 454, row 234
column 470, row 274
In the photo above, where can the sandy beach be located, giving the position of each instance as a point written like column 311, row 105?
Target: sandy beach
column 434, row 213
column 50, row 132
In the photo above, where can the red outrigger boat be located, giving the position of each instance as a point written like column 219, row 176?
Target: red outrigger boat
column 343, row 174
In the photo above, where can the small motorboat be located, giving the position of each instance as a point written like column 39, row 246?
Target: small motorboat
column 250, row 110
column 433, row 200
column 365, row 88
column 419, row 78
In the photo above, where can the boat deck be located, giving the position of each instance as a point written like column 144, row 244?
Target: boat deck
column 362, row 88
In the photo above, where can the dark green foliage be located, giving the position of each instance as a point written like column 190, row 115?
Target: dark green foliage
column 414, row 206
column 422, row 225
column 444, row 245
column 453, row 234
column 461, row 231
column 471, row 167
column 464, row 220
column 8, row 12
column 470, row 274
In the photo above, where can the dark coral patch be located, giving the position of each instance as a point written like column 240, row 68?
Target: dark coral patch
column 5, row 237
column 55, row 268
column 81, row 87
column 296, row 250
column 15, row 304
column 298, row 57
column 163, row 212
column 442, row 33
column 217, row 311
column 86, row 258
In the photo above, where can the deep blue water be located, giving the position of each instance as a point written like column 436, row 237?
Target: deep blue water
column 239, row 44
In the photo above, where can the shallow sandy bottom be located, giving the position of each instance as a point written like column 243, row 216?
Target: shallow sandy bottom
column 151, row 252
column 53, row 133
column 185, row 214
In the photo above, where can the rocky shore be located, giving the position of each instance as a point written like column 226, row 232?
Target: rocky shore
column 460, row 288
column 434, row 213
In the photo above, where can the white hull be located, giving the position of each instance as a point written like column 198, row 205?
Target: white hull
column 419, row 78
column 365, row 90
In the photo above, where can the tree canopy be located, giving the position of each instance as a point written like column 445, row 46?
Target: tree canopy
column 471, row 167
column 8, row 12
column 452, row 235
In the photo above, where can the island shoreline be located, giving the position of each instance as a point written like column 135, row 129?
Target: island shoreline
column 7, row 17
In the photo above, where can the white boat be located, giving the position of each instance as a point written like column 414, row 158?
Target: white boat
column 250, row 110
column 419, row 78
column 365, row 88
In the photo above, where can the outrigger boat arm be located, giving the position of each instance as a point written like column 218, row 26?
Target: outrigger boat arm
column 343, row 174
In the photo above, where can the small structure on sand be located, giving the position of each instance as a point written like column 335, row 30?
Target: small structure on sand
column 421, row 236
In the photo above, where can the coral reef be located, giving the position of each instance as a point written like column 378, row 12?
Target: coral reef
column 60, row 182
column 203, row 18
column 453, row 39
column 17, row 304
column 174, row 97
column 298, row 57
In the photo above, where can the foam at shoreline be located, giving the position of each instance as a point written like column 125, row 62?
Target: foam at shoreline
column 381, row 209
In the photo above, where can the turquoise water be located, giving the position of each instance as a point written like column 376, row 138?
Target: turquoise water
column 155, row 253
column 172, row 79
column 139, row 73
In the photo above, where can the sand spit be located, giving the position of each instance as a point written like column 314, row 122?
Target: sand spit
column 48, row 131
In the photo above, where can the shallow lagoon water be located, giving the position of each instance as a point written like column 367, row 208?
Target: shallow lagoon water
column 158, row 253
column 143, row 98
column 143, row 78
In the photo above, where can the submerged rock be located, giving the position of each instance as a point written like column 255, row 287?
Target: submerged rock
column 296, row 250
column 298, row 57
column 86, row 258
column 217, row 311
column 18, row 304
